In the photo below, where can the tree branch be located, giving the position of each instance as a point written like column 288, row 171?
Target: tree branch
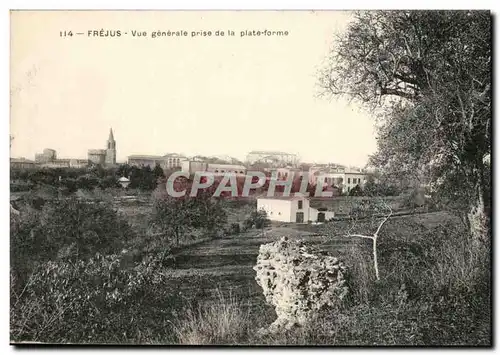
column 383, row 222
column 359, row 236
column 388, row 91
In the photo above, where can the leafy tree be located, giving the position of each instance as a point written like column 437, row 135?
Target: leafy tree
column 108, row 182
column 64, row 229
column 123, row 170
column 257, row 219
column 158, row 171
column 208, row 214
column 428, row 74
column 82, row 226
column 172, row 216
column 370, row 186
column 356, row 191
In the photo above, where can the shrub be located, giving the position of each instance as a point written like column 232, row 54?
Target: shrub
column 67, row 229
column 87, row 227
column 235, row 228
column 257, row 219
column 77, row 301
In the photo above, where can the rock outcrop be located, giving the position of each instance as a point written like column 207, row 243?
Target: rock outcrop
column 298, row 281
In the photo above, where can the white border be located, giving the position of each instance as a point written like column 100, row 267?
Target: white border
column 172, row 5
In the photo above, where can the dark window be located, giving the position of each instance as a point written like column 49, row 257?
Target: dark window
column 300, row 205
column 348, row 180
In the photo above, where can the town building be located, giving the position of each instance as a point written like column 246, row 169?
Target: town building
column 222, row 169
column 285, row 172
column 191, row 167
column 21, row 163
column 145, row 160
column 354, row 178
column 78, row 163
column 48, row 159
column 273, row 158
column 104, row 157
column 345, row 178
column 168, row 161
column 97, row 156
column 173, row 161
column 47, row 156
column 292, row 209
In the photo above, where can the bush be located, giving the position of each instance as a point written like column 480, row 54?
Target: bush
column 82, row 296
column 431, row 278
column 67, row 229
column 235, row 228
column 257, row 219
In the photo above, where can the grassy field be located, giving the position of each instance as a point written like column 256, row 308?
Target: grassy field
column 432, row 289
column 227, row 263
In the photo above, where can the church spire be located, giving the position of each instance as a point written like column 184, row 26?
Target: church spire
column 111, row 138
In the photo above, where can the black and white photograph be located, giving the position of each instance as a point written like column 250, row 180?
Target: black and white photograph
column 251, row 178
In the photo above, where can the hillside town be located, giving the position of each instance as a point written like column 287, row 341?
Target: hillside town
column 282, row 164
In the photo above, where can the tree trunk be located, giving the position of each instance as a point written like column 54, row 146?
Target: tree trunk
column 375, row 261
column 478, row 218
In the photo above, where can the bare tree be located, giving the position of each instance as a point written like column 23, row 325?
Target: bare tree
column 372, row 213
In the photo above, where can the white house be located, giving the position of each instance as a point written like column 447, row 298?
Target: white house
column 347, row 178
column 293, row 209
column 222, row 169
column 192, row 167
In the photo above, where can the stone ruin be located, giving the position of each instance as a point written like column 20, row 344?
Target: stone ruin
column 298, row 281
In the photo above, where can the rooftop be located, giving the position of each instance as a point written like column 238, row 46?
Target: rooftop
column 292, row 197
column 156, row 157
column 21, row 160
column 228, row 166
column 269, row 152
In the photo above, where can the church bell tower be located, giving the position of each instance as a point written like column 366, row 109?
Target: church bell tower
column 111, row 149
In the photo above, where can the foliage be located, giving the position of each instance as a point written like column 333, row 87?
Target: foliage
column 235, row 228
column 356, row 191
column 143, row 178
column 84, row 296
column 257, row 219
column 430, row 73
column 64, row 229
column 382, row 187
column 177, row 216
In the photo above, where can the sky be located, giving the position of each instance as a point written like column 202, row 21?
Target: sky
column 211, row 95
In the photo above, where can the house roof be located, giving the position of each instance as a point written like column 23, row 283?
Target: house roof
column 227, row 166
column 292, row 197
column 269, row 152
column 174, row 155
column 154, row 157
column 21, row 160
